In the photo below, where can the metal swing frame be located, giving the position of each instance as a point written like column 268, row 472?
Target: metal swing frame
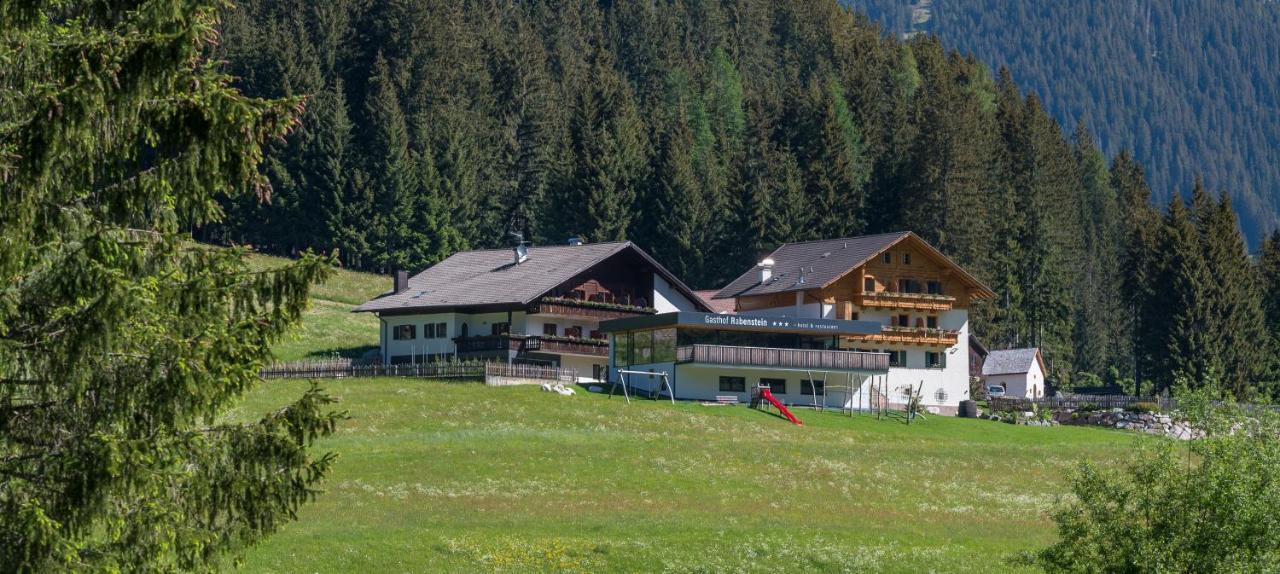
column 666, row 382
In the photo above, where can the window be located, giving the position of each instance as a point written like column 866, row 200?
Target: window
column 869, row 284
column 904, row 321
column 622, row 350
column 442, row 330
column 664, row 345
column 908, row 285
column 404, row 332
column 931, row 322
column 429, row 331
column 575, row 332
column 733, row 384
column 853, row 317
column 808, row 387
column 941, row 396
column 935, row 360
column 934, row 287
column 776, row 386
column 888, row 258
column 549, row 329
column 642, row 347
column 906, row 259
column 500, row 328
column 597, row 335
column 898, row 358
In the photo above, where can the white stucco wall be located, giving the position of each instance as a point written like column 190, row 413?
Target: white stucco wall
column 1020, row 385
column 666, row 299
column 953, row 380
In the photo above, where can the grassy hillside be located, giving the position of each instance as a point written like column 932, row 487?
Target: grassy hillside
column 459, row 477
column 329, row 326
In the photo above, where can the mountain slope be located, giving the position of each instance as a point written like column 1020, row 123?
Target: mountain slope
column 1192, row 87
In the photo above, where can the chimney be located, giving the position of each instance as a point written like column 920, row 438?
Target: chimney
column 400, row 280
column 766, row 269
column 575, row 241
column 521, row 252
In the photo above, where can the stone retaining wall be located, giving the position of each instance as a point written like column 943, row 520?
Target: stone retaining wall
column 1151, row 423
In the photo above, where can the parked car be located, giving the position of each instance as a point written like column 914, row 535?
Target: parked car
column 995, row 391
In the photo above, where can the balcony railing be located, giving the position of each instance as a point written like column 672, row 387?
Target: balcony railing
column 523, row 344
column 900, row 300
column 784, row 358
column 912, row 336
column 589, row 309
column 489, row 343
column 592, row 347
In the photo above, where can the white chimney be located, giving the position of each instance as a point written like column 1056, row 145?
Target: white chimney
column 575, row 241
column 766, row 269
column 521, row 252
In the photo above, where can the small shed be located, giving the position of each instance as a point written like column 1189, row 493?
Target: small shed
column 1020, row 371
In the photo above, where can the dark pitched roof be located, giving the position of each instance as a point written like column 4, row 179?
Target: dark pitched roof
column 822, row 261
column 825, row 261
column 723, row 306
column 1011, row 361
column 491, row 277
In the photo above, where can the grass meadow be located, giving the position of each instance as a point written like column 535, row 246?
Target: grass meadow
column 459, row 477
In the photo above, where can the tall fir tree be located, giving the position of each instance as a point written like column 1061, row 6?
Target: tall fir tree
column 122, row 343
column 1268, row 270
column 1101, row 341
column 1235, row 305
column 1139, row 247
column 1180, row 325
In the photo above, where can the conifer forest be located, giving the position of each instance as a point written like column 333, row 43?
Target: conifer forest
column 709, row 133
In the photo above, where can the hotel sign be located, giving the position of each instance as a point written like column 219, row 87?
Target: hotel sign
column 766, row 323
column 747, row 322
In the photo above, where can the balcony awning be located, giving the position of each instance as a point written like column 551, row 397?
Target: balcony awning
column 742, row 322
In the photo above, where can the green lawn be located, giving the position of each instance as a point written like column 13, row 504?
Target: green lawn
column 330, row 328
column 458, row 477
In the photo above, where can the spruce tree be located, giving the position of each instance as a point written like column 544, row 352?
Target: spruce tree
column 1235, row 306
column 1100, row 337
column 1180, row 325
column 1268, row 271
column 1139, row 248
column 122, row 344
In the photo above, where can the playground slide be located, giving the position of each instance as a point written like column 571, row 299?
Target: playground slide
column 768, row 396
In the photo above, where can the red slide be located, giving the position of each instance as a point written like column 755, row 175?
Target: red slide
column 768, row 396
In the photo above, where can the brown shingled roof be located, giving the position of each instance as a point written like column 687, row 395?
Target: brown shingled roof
column 491, row 277
column 822, row 262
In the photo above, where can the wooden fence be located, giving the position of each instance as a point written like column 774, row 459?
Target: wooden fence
column 1078, row 401
column 339, row 368
column 522, row 371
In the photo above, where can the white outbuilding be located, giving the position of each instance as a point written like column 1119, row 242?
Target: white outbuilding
column 1019, row 371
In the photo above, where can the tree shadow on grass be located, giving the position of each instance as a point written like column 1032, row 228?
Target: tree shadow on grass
column 353, row 353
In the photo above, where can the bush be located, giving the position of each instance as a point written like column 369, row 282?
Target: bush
column 1143, row 408
column 1201, row 506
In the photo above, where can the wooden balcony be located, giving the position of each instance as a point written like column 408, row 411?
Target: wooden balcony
column 783, row 358
column 489, row 343
column 586, row 309
column 588, row 347
column 911, row 336
column 899, row 300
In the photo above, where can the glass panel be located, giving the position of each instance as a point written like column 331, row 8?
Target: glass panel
column 642, row 347
column 664, row 345
column 621, row 350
